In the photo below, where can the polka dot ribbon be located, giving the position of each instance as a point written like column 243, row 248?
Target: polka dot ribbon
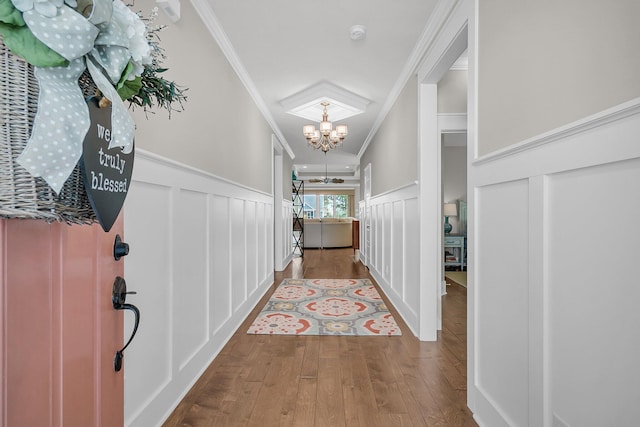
column 62, row 120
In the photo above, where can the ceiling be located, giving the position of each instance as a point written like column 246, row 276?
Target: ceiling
column 288, row 46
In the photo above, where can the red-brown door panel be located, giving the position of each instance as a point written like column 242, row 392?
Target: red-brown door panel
column 60, row 331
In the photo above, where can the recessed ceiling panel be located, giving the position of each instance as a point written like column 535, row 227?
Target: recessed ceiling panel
column 308, row 103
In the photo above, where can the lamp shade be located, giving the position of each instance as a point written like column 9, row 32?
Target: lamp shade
column 308, row 130
column 325, row 127
column 342, row 130
column 450, row 209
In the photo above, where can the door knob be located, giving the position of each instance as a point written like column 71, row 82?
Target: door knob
column 120, row 248
column 118, row 298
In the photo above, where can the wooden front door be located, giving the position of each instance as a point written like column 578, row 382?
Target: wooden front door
column 59, row 330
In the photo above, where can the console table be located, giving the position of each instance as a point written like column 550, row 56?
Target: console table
column 457, row 244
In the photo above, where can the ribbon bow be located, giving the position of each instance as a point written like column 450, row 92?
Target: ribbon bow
column 62, row 120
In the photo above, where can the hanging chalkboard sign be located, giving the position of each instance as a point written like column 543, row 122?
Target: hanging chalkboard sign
column 107, row 172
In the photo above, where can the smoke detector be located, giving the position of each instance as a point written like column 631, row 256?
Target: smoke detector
column 358, row 32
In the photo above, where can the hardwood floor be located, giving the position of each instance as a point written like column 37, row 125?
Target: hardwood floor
column 261, row 380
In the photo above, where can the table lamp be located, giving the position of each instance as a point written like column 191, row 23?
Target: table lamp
column 449, row 210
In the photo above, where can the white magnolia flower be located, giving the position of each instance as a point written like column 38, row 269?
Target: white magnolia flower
column 48, row 8
column 134, row 28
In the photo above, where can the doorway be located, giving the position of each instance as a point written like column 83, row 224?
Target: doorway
column 435, row 119
column 454, row 201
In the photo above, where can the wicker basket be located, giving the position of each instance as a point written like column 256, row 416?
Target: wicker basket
column 22, row 195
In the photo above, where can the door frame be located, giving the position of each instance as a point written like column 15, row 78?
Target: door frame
column 459, row 32
column 277, row 165
column 450, row 45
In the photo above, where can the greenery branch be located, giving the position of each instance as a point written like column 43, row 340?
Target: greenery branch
column 151, row 89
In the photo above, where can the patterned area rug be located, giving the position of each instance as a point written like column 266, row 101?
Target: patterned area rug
column 325, row 307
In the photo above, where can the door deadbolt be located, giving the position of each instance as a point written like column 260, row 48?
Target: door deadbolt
column 120, row 248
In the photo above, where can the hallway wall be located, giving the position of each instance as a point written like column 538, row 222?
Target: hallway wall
column 199, row 218
column 454, row 179
column 554, row 306
column 552, row 310
column 394, row 258
column 286, row 228
column 393, row 151
column 201, row 257
column 390, row 245
column 221, row 130
column 452, row 92
column 287, row 168
column 545, row 64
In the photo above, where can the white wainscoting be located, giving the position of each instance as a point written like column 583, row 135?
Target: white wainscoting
column 287, row 233
column 553, row 300
column 362, row 215
column 201, row 257
column 393, row 251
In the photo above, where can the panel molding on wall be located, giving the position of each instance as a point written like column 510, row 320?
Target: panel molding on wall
column 201, row 258
column 393, row 252
column 287, row 232
column 362, row 215
column 502, row 242
column 541, row 210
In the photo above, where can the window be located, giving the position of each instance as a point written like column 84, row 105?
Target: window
column 333, row 206
column 309, row 206
column 326, row 206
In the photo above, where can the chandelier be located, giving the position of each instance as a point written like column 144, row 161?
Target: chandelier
column 326, row 137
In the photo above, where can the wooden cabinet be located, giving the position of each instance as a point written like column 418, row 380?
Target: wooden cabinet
column 355, row 234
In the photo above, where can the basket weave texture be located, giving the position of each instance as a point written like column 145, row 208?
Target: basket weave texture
column 21, row 194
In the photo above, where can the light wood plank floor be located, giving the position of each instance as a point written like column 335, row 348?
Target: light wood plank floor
column 312, row 381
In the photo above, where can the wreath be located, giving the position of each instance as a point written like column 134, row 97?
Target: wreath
column 64, row 39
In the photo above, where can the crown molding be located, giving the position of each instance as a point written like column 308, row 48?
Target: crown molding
column 212, row 23
column 440, row 15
